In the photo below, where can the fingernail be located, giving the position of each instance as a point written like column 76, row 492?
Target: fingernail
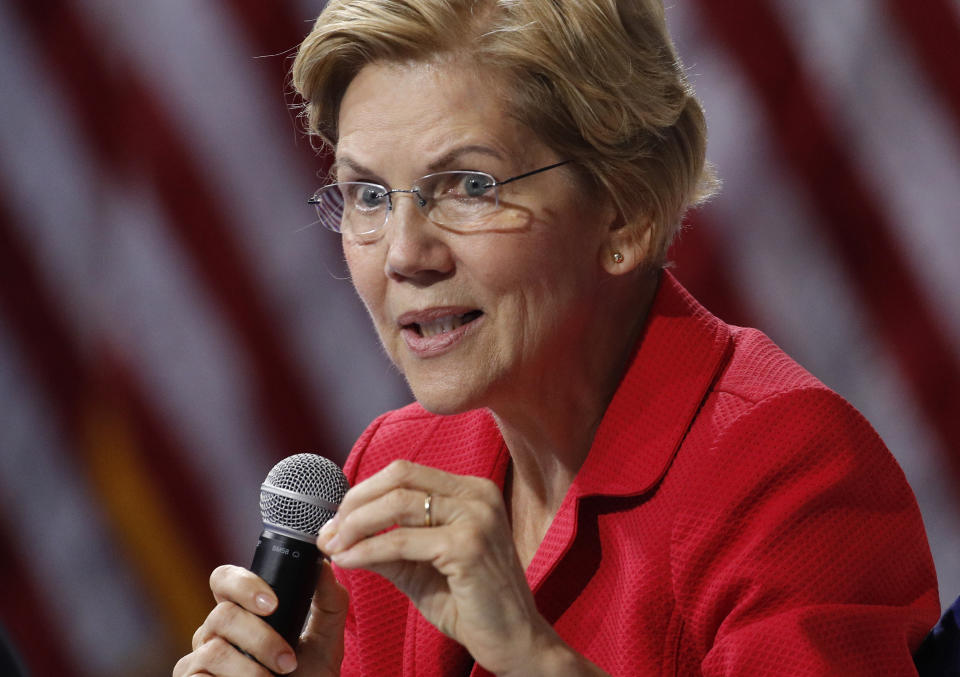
column 264, row 601
column 344, row 558
column 333, row 545
column 325, row 533
column 287, row 662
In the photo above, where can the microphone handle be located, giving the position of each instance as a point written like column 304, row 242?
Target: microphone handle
column 290, row 567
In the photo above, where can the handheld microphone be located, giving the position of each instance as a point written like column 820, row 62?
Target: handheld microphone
column 300, row 494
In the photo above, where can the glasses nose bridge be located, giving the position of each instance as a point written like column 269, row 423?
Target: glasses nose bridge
column 413, row 191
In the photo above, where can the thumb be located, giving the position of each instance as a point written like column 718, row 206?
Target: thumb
column 321, row 644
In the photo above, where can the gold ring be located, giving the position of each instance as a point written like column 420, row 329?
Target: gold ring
column 428, row 511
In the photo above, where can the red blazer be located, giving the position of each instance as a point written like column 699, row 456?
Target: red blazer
column 734, row 517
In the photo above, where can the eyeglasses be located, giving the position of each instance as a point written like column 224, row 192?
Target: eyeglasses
column 459, row 200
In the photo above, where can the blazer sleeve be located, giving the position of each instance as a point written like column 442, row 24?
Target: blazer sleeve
column 801, row 549
column 373, row 637
column 354, row 473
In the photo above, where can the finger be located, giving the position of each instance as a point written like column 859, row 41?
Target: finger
column 238, row 585
column 408, row 475
column 479, row 527
column 330, row 601
column 322, row 640
column 405, row 507
column 185, row 667
column 249, row 633
column 400, row 545
column 218, row 657
column 200, row 635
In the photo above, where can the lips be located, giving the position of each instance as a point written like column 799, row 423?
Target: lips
column 442, row 325
column 433, row 331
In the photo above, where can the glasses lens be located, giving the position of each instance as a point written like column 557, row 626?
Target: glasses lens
column 355, row 208
column 329, row 204
column 459, row 199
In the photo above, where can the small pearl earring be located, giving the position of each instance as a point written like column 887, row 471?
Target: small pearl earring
column 617, row 257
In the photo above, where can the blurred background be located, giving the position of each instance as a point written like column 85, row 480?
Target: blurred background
column 171, row 326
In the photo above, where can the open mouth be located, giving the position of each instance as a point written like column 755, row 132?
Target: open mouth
column 445, row 324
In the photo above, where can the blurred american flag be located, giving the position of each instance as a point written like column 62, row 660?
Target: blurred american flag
column 170, row 325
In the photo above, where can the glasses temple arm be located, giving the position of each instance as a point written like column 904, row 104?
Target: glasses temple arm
column 531, row 173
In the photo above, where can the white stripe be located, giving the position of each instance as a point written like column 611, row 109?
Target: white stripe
column 903, row 142
column 792, row 281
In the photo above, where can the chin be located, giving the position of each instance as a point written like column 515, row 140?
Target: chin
column 445, row 400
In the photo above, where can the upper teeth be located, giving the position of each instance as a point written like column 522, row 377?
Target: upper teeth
column 441, row 325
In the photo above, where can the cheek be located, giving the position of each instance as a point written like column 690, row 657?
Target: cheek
column 553, row 283
column 367, row 278
column 542, row 266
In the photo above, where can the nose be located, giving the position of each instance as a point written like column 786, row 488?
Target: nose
column 417, row 250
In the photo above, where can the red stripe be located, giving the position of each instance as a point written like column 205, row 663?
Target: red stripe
column 272, row 28
column 848, row 212
column 25, row 614
column 61, row 367
column 41, row 332
column 932, row 28
column 131, row 133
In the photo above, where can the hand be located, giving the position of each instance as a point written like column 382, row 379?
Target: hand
column 462, row 573
column 242, row 597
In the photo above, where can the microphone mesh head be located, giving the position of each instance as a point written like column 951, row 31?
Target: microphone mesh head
column 301, row 493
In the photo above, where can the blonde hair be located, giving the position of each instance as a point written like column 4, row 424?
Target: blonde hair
column 598, row 81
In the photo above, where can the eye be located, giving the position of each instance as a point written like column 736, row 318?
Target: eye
column 475, row 185
column 456, row 185
column 371, row 196
column 365, row 196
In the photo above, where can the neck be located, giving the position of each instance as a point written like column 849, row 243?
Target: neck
column 549, row 430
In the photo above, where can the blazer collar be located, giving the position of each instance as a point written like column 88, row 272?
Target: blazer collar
column 681, row 351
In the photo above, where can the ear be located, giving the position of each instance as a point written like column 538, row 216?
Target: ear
column 627, row 245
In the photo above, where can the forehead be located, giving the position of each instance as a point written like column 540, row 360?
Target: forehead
column 422, row 110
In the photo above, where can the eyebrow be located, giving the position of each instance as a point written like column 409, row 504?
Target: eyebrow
column 449, row 158
column 442, row 162
column 355, row 166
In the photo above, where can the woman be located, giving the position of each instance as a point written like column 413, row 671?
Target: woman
column 598, row 475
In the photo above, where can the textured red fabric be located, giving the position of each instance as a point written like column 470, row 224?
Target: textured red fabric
column 734, row 517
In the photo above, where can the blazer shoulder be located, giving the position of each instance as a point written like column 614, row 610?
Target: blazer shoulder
column 412, row 433
column 758, row 369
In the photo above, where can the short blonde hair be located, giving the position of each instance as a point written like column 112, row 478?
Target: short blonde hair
column 598, row 81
